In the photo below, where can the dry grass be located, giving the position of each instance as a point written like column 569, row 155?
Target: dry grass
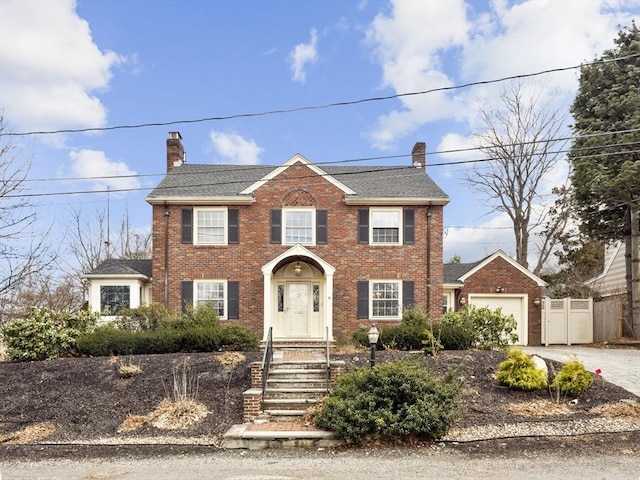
column 619, row 409
column 167, row 415
column 540, row 408
column 29, row 434
column 128, row 370
column 230, row 358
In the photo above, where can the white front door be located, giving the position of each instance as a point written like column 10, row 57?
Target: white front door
column 298, row 310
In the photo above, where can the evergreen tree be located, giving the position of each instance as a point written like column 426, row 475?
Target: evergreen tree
column 605, row 156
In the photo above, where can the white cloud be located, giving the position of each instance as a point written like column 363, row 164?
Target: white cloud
column 233, row 148
column 425, row 45
column 302, row 55
column 94, row 163
column 473, row 244
column 51, row 68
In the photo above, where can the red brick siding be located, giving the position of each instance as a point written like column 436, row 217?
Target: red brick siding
column 353, row 261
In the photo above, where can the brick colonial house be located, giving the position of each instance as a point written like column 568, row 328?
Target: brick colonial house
column 302, row 248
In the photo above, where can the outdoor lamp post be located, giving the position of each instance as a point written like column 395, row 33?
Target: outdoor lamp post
column 373, row 341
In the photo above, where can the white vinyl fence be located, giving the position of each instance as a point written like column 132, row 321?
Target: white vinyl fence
column 566, row 321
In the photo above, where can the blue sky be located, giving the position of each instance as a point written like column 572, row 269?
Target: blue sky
column 88, row 64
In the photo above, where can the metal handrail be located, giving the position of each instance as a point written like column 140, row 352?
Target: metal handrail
column 266, row 362
column 328, row 362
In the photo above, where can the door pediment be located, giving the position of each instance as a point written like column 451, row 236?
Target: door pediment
column 300, row 253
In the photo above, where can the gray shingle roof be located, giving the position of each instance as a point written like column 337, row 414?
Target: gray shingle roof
column 191, row 180
column 119, row 266
column 453, row 271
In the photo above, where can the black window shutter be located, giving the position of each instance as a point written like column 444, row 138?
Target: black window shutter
column 321, row 226
column 186, row 295
column 409, row 216
column 363, row 225
column 187, row 225
column 407, row 294
column 363, row 299
column 276, row 225
column 233, row 300
column 233, row 225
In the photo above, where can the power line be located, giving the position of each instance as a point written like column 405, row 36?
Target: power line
column 384, row 157
column 317, row 107
column 336, row 175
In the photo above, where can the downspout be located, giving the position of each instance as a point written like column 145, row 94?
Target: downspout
column 166, row 256
column 429, row 216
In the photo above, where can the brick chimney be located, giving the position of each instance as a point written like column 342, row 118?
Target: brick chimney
column 175, row 151
column 419, row 155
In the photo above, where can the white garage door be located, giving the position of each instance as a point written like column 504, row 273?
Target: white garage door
column 515, row 305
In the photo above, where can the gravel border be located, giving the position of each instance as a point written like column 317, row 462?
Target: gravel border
column 543, row 429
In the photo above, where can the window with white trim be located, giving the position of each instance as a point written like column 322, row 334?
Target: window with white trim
column 213, row 292
column 210, row 225
column 386, row 299
column 386, row 226
column 299, row 226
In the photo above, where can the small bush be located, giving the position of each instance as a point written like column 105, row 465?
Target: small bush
column 431, row 344
column 145, row 318
column 390, row 401
column 237, row 337
column 408, row 335
column 519, row 371
column 44, row 334
column 490, row 329
column 128, row 370
column 453, row 336
column 573, row 379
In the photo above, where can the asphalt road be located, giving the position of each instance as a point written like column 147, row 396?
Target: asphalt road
column 429, row 462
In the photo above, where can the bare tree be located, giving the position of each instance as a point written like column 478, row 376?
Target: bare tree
column 57, row 293
column 89, row 245
column 520, row 138
column 23, row 246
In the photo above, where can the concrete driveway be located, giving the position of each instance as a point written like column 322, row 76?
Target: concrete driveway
column 620, row 366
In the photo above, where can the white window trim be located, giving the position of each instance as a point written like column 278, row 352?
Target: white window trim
column 371, row 315
column 226, row 225
column 313, row 224
column 400, row 225
column 225, row 296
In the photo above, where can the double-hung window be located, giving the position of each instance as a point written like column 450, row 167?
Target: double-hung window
column 386, row 299
column 299, row 226
column 212, row 292
column 386, row 226
column 211, row 226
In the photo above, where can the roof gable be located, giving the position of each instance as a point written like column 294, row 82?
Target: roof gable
column 297, row 159
column 500, row 254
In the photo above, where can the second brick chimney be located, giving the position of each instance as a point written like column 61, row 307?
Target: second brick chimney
column 419, row 155
column 175, row 151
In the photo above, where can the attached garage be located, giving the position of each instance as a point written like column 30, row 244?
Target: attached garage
column 498, row 281
column 511, row 304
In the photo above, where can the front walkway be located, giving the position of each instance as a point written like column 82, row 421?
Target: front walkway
column 620, row 366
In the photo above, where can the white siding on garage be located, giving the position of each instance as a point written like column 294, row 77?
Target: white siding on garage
column 511, row 304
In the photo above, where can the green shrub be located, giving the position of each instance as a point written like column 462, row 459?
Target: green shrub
column 573, row 379
column 44, row 334
column 204, row 315
column 408, row 335
column 144, row 318
column 453, row 336
column 237, row 337
column 490, row 329
column 519, row 371
column 393, row 400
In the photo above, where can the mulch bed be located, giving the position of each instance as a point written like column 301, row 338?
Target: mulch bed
column 86, row 400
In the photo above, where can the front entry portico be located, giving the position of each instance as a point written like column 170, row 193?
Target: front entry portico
column 298, row 297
